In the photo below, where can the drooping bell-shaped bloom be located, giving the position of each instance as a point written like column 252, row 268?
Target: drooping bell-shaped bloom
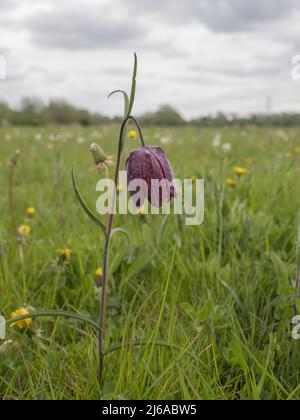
column 150, row 176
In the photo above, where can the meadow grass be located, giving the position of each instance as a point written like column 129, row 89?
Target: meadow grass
column 221, row 294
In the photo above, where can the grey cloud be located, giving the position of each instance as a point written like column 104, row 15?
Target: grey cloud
column 77, row 29
column 237, row 15
column 243, row 71
column 219, row 15
column 8, row 4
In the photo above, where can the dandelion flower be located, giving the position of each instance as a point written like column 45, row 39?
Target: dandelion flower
column 99, row 272
column 65, row 253
column 30, row 212
column 141, row 211
column 24, row 324
column 240, row 170
column 120, row 188
column 24, row 230
column 132, row 134
column 194, row 179
column 232, row 183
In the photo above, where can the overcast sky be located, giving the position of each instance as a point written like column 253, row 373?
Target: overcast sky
column 201, row 56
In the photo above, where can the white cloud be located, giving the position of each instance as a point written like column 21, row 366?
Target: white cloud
column 200, row 56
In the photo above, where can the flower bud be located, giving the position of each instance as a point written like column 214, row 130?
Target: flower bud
column 98, row 154
column 101, row 160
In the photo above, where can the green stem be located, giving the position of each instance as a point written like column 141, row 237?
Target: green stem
column 106, row 246
column 10, row 197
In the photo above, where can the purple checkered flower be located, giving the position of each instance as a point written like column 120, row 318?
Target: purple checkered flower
column 150, row 171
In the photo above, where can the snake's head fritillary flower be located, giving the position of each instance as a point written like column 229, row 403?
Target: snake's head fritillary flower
column 150, row 164
column 23, row 324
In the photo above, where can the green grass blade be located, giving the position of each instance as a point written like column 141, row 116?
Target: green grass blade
column 133, row 86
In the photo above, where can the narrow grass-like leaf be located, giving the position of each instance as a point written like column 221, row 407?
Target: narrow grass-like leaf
column 126, row 100
column 133, row 86
column 146, row 343
column 63, row 314
column 162, row 228
column 85, row 207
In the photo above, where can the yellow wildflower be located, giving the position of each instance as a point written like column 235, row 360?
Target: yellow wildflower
column 30, row 212
column 24, row 230
column 99, row 272
column 65, row 253
column 24, row 323
column 141, row 211
column 194, row 179
column 240, row 170
column 119, row 188
column 132, row 134
column 232, row 183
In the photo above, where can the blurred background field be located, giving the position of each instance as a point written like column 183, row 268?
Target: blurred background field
column 223, row 292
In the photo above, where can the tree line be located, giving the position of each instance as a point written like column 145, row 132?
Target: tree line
column 34, row 112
